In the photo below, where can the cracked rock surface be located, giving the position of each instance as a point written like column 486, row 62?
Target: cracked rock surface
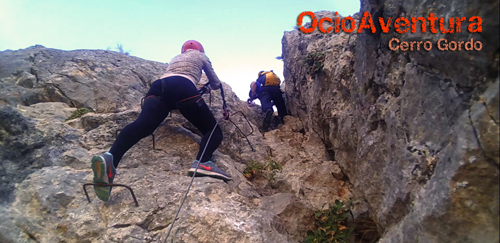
column 411, row 137
column 416, row 132
column 45, row 160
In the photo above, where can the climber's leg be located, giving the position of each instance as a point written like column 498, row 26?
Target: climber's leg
column 196, row 111
column 154, row 111
column 202, row 118
column 199, row 115
column 280, row 104
column 265, row 101
column 267, row 108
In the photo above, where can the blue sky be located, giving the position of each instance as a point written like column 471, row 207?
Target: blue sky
column 240, row 37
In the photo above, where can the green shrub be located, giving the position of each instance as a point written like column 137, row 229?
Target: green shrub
column 331, row 225
column 274, row 167
column 78, row 113
column 315, row 62
column 254, row 167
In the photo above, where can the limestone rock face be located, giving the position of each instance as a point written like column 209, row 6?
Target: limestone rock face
column 415, row 132
column 45, row 159
column 105, row 81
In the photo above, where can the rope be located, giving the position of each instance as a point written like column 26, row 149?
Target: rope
column 226, row 117
column 189, row 187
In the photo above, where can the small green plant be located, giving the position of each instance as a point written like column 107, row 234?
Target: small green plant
column 331, row 225
column 254, row 167
column 274, row 167
column 315, row 62
column 78, row 113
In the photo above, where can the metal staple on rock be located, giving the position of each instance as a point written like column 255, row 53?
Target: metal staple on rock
column 109, row 185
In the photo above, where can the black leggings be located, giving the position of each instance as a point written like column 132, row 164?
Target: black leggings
column 269, row 95
column 156, row 109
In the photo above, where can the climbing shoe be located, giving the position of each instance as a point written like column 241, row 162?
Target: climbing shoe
column 267, row 120
column 208, row 169
column 104, row 172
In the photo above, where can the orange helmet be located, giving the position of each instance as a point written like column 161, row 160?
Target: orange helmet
column 192, row 44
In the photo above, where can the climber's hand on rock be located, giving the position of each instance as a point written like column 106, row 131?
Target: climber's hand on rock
column 250, row 103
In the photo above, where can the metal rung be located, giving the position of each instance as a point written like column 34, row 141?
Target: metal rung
column 110, row 185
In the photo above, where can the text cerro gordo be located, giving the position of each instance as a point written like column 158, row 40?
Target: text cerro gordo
column 401, row 25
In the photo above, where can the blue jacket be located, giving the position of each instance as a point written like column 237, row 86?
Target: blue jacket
column 261, row 82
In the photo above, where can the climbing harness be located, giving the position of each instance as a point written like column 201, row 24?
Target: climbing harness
column 195, row 99
column 198, row 99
